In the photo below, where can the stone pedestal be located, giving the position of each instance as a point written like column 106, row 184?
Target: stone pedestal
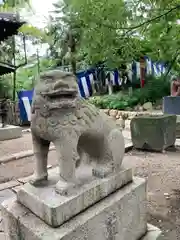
column 10, row 132
column 110, row 208
column 55, row 209
column 153, row 132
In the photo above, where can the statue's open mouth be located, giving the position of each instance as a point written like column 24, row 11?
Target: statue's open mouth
column 65, row 93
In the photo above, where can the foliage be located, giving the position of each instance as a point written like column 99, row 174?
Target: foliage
column 154, row 90
column 26, row 77
column 118, row 31
column 11, row 50
column 5, row 87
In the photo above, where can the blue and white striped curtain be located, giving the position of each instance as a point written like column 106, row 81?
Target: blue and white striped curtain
column 155, row 68
column 85, row 82
column 25, row 100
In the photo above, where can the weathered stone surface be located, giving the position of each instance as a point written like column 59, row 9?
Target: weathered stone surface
column 16, row 189
column 77, row 128
column 120, row 216
column 2, row 236
column 106, row 111
column 153, row 233
column 1, row 225
column 55, row 209
column 153, row 132
column 120, row 123
column 113, row 113
column 8, row 185
column 19, row 155
column 10, row 132
column 147, row 106
column 5, row 194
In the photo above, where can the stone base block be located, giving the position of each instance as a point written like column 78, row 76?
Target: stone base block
column 56, row 209
column 10, row 132
column 121, row 216
column 153, row 132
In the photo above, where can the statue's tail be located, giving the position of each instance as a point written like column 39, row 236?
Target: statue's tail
column 117, row 146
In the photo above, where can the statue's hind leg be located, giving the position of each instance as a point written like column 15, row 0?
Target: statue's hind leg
column 41, row 149
column 104, row 164
column 117, row 145
column 113, row 153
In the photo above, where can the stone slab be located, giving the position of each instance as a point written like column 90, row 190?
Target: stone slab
column 8, row 185
column 153, row 233
column 19, row 155
column 5, row 194
column 121, row 216
column 55, row 209
column 10, row 132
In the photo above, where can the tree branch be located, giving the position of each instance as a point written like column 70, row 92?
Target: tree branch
column 143, row 23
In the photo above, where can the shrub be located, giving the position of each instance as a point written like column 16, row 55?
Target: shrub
column 155, row 89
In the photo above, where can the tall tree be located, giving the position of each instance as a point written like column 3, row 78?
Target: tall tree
column 118, row 31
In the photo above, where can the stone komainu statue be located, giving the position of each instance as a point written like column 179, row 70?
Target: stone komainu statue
column 78, row 130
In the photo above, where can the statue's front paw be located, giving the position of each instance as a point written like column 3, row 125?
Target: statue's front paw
column 102, row 171
column 39, row 181
column 64, row 188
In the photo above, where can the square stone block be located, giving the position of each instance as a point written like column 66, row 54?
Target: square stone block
column 153, row 132
column 121, row 216
column 56, row 209
column 10, row 132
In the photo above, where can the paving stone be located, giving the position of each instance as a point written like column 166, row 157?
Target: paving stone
column 5, row 194
column 8, row 185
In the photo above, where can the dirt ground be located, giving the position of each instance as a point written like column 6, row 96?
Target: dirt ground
column 162, row 172
column 16, row 145
column 22, row 167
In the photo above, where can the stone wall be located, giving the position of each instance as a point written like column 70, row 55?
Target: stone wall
column 129, row 114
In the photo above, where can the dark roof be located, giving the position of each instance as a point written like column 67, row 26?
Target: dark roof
column 5, row 69
column 9, row 25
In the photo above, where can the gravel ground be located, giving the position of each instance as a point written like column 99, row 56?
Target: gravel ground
column 162, row 171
